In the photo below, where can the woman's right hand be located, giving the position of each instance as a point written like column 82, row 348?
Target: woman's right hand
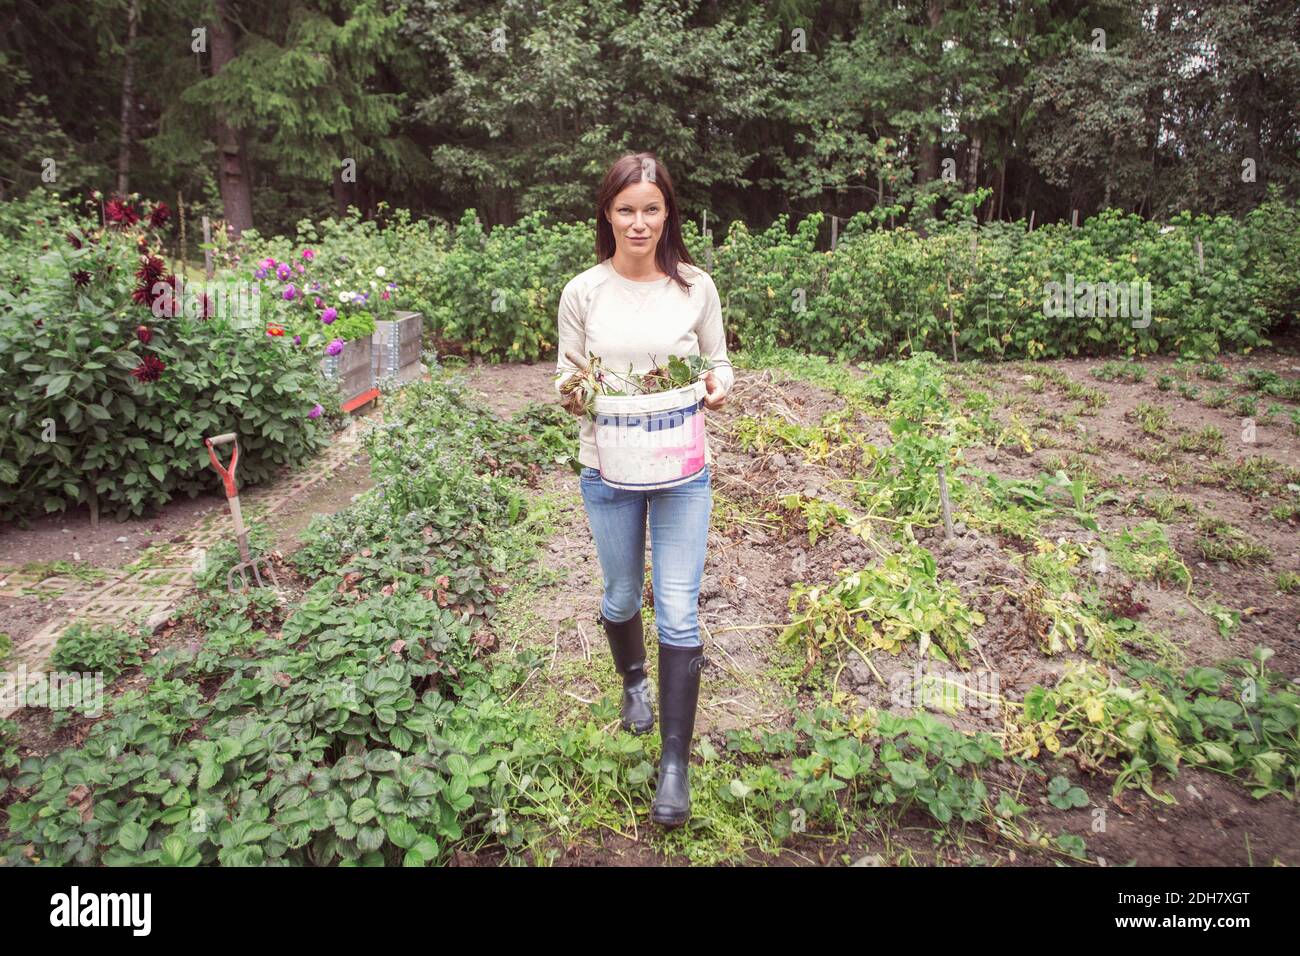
column 573, row 402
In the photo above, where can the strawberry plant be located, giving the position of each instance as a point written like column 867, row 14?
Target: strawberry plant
column 97, row 649
column 883, row 608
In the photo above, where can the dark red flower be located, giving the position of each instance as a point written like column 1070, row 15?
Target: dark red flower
column 144, row 334
column 150, row 369
column 159, row 216
column 73, row 240
column 82, row 278
column 151, row 269
column 121, row 213
column 147, row 293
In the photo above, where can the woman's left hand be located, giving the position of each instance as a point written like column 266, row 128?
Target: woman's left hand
column 713, row 397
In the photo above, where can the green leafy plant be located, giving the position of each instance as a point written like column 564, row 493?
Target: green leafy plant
column 1121, row 372
column 1062, row 795
column 97, row 649
column 883, row 608
column 1218, row 540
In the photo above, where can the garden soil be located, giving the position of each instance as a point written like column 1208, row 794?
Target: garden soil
column 754, row 558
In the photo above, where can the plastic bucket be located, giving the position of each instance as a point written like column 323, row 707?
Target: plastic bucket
column 645, row 442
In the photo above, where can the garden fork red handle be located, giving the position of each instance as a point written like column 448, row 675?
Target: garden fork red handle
column 227, row 474
column 232, row 492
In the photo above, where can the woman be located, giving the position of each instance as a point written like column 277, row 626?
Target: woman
column 643, row 301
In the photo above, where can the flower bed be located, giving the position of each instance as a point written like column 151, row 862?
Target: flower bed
column 108, row 395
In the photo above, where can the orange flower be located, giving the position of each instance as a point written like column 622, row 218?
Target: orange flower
column 274, row 329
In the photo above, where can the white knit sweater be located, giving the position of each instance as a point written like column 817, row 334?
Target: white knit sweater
column 634, row 325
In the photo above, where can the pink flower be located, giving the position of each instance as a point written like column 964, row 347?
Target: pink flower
column 386, row 295
column 316, row 411
column 334, row 348
column 309, row 254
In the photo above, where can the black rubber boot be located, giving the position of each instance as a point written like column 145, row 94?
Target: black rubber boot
column 627, row 644
column 679, row 692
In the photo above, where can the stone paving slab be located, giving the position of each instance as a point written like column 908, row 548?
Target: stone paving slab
column 17, row 581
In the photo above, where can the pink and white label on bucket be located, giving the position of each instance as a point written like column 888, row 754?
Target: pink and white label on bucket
column 692, row 452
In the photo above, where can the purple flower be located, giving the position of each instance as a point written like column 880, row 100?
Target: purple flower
column 315, row 286
column 334, row 348
column 261, row 273
column 282, row 271
column 329, row 315
column 297, row 340
column 289, row 293
column 316, row 411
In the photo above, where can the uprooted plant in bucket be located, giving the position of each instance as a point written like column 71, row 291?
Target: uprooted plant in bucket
column 594, row 378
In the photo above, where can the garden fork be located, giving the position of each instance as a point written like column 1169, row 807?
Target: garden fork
column 247, row 562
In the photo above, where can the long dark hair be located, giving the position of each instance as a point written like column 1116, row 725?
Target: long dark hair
column 626, row 171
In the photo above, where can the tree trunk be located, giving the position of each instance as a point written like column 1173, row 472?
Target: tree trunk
column 232, row 157
column 341, row 192
column 928, row 149
column 1155, row 106
column 973, row 167
column 1002, row 188
column 128, row 101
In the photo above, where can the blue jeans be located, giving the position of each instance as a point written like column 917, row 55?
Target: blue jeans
column 679, row 535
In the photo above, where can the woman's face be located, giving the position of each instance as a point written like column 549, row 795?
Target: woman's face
column 637, row 216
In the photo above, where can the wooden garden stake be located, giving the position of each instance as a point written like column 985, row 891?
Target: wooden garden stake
column 180, row 214
column 1200, row 255
column 207, row 248
column 952, row 327
column 1032, row 213
column 947, row 504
